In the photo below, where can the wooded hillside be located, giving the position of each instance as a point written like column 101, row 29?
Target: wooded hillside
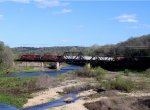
column 138, row 46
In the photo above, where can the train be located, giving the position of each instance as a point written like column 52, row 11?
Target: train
column 41, row 57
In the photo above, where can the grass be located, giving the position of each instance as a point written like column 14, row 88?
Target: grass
column 26, row 69
column 15, row 91
column 13, row 100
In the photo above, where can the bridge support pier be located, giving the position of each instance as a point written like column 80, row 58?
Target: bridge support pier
column 88, row 65
column 26, row 64
column 42, row 65
column 57, row 65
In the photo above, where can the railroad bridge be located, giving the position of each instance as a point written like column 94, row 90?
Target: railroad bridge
column 77, row 58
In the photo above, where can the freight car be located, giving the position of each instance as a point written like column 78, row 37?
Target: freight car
column 39, row 57
column 30, row 57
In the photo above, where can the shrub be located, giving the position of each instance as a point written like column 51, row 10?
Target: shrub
column 126, row 72
column 147, row 72
column 97, row 73
column 100, row 73
column 119, row 84
column 79, row 88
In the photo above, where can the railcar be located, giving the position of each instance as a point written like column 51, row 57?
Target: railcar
column 60, row 57
column 48, row 57
column 30, row 57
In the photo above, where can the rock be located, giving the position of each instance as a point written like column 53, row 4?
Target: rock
column 68, row 100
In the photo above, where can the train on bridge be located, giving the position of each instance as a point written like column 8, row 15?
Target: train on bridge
column 108, row 62
column 41, row 57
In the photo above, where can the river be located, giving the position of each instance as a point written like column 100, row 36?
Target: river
column 51, row 104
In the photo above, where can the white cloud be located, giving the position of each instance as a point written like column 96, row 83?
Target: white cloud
column 63, row 11
column 19, row 1
column 130, row 18
column 49, row 3
column 40, row 3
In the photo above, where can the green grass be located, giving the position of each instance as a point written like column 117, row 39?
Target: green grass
column 14, row 91
column 26, row 69
column 13, row 100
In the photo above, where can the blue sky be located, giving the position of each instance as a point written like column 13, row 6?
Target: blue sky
column 44, row 23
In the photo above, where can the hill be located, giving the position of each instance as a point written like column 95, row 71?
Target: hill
column 138, row 46
column 47, row 50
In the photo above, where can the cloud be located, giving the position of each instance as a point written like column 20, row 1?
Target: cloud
column 63, row 11
column 40, row 3
column 19, row 1
column 50, row 3
column 129, row 18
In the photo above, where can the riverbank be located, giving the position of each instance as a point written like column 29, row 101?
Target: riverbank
column 91, row 98
column 28, row 69
column 94, row 86
column 21, row 69
column 15, row 89
column 56, row 92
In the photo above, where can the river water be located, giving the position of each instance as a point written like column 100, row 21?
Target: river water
column 51, row 104
column 50, row 73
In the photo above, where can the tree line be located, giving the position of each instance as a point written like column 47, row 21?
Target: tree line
column 139, row 46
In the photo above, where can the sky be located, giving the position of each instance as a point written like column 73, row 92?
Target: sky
column 46, row 23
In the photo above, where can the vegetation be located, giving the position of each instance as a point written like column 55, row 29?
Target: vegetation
column 119, row 103
column 16, row 91
column 6, row 58
column 13, row 100
column 98, row 73
column 27, row 69
column 119, row 83
column 147, row 72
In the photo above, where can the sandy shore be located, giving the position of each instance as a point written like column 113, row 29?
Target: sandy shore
column 52, row 93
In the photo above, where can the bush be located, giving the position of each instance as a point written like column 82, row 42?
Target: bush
column 79, row 88
column 147, row 72
column 119, row 84
column 100, row 73
column 126, row 72
column 6, row 59
column 97, row 73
